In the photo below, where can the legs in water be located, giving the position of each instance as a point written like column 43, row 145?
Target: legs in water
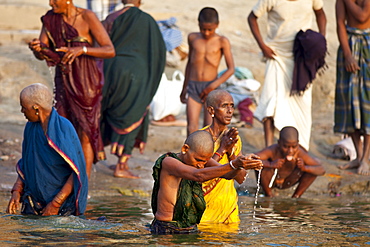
column 362, row 151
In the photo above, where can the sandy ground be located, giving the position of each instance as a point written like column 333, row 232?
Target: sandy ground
column 19, row 68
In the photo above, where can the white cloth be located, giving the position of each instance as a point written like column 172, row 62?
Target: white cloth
column 166, row 101
column 285, row 19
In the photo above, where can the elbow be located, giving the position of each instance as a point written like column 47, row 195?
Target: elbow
column 111, row 52
column 200, row 178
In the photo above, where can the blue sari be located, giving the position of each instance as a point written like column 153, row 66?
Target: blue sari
column 48, row 159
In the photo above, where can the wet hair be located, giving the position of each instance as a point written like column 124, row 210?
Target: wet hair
column 288, row 133
column 208, row 15
column 214, row 96
column 39, row 94
column 200, row 141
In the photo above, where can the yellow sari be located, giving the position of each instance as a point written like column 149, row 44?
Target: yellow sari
column 220, row 194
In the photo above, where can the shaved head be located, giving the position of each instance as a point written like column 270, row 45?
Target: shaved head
column 214, row 97
column 200, row 141
column 39, row 94
column 288, row 133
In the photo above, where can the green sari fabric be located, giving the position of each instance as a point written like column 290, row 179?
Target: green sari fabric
column 131, row 78
column 190, row 203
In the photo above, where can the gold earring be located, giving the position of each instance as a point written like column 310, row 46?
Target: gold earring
column 37, row 113
column 213, row 115
column 183, row 152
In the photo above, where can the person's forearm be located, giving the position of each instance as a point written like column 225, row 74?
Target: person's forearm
column 18, row 186
column 100, row 52
column 315, row 170
column 63, row 194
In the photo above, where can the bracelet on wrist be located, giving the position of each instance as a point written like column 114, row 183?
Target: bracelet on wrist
column 55, row 204
column 84, row 49
column 232, row 166
column 219, row 155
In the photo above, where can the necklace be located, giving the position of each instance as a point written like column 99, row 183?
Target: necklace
column 214, row 137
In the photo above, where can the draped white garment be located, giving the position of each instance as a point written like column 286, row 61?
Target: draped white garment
column 285, row 19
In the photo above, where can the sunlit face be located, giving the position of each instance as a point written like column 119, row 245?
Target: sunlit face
column 198, row 160
column 224, row 110
column 28, row 111
column 208, row 30
column 59, row 6
column 288, row 148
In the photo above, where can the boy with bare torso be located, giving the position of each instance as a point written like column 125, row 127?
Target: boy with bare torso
column 287, row 163
column 206, row 49
column 177, row 199
column 352, row 87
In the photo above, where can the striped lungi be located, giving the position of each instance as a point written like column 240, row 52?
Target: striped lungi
column 352, row 94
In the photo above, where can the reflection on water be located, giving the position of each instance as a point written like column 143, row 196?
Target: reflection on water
column 325, row 221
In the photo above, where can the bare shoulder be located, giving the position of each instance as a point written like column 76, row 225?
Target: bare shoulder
column 268, row 152
column 88, row 15
column 193, row 36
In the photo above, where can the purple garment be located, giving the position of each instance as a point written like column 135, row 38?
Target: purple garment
column 78, row 86
column 309, row 56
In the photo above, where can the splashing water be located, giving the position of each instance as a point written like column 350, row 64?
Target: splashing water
column 254, row 228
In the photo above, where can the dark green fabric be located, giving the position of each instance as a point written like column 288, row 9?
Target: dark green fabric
column 190, row 203
column 131, row 78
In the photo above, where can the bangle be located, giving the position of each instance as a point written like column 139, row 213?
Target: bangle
column 232, row 166
column 219, row 155
column 55, row 204
column 84, row 48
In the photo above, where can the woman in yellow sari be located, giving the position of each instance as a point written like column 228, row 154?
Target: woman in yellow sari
column 220, row 193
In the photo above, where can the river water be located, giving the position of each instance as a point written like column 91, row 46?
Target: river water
column 316, row 221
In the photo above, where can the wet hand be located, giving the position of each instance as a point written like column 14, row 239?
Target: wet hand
column 70, row 53
column 278, row 163
column 250, row 161
column 35, row 45
column 14, row 203
column 300, row 164
column 50, row 210
column 229, row 140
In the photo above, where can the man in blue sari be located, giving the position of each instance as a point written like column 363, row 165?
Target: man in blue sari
column 52, row 176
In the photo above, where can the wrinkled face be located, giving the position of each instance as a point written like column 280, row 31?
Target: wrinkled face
column 198, row 160
column 288, row 148
column 224, row 110
column 59, row 6
column 28, row 111
column 208, row 30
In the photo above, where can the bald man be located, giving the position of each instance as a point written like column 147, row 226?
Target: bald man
column 287, row 163
column 177, row 199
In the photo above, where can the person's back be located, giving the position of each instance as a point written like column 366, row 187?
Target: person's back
column 206, row 49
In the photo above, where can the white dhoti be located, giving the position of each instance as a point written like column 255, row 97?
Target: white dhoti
column 276, row 102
